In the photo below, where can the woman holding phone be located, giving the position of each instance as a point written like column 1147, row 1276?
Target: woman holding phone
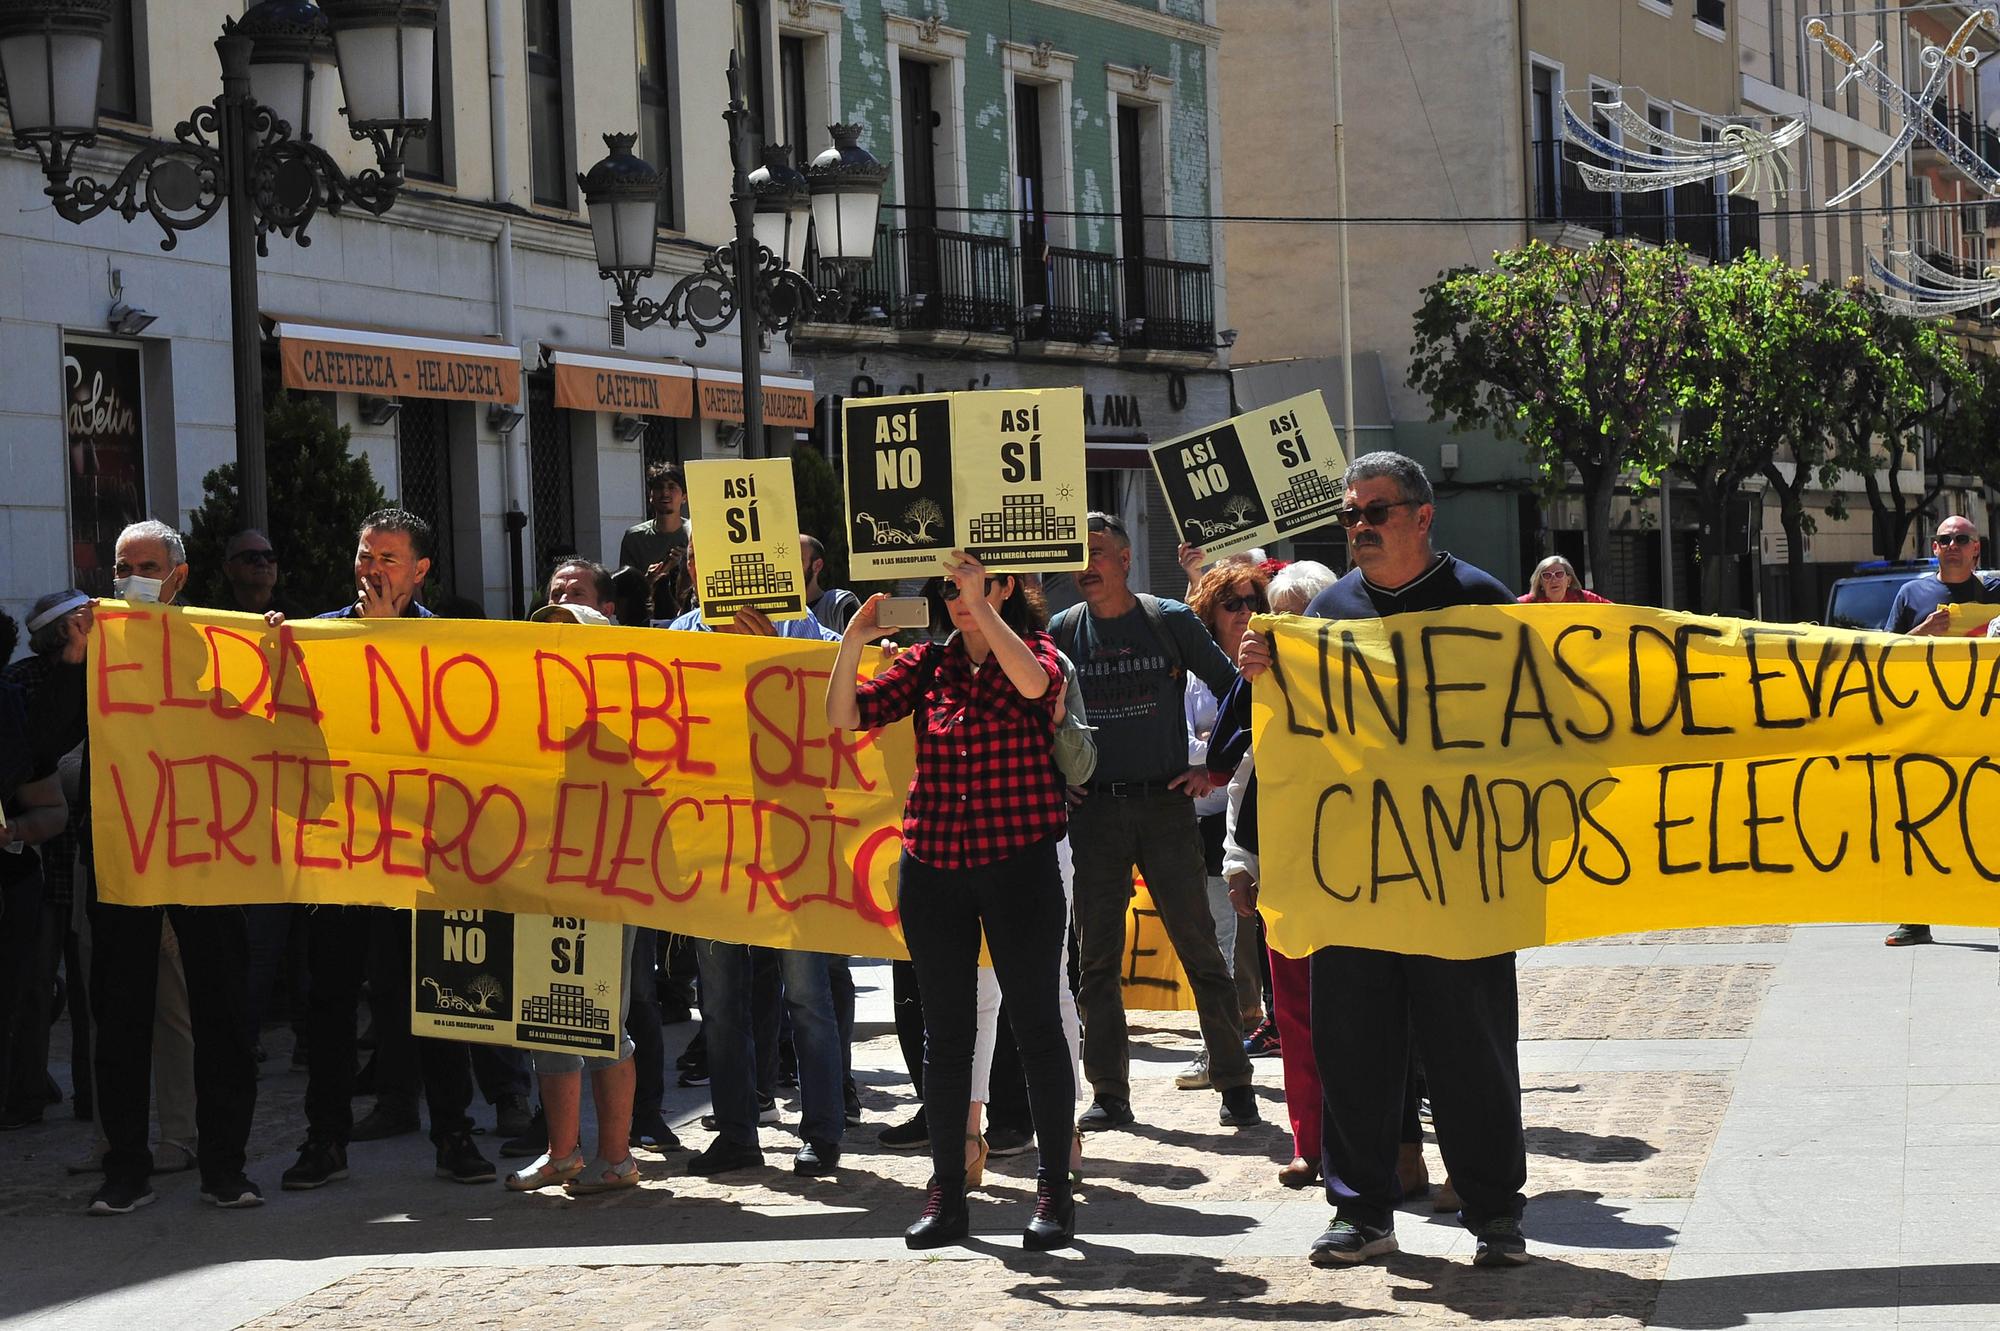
column 986, row 808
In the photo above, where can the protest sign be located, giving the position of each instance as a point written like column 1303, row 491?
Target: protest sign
column 997, row 474
column 1470, row 781
column 1017, row 457
column 553, row 982
column 1254, row 478
column 749, row 556
column 901, row 515
column 682, row 781
column 1152, row 979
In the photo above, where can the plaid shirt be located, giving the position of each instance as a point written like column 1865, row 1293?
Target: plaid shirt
column 986, row 785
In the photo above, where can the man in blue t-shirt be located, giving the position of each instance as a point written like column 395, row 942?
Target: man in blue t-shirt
column 1922, row 609
column 1367, row 1004
column 1132, row 656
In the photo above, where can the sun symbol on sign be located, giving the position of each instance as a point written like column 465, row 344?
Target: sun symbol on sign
column 781, row 549
column 1066, row 492
column 603, row 988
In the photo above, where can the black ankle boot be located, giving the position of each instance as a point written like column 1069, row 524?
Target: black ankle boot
column 1054, row 1225
column 944, row 1220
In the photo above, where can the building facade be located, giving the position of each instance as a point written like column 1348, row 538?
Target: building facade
column 512, row 386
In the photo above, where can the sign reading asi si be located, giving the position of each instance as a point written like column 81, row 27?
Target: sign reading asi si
column 749, row 556
column 1254, row 478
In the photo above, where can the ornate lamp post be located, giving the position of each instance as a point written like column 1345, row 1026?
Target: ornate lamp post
column 251, row 149
column 761, row 271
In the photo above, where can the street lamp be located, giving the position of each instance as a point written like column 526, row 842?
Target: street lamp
column 838, row 198
column 251, row 148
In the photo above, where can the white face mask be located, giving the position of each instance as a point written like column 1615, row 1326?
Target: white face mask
column 136, row 588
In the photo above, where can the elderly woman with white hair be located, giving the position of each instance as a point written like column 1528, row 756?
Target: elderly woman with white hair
column 1555, row 580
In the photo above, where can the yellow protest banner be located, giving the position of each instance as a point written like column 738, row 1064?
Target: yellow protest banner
column 1471, row 781
column 682, row 781
column 1152, row 979
column 749, row 556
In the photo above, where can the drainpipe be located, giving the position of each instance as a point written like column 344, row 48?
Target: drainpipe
column 514, row 444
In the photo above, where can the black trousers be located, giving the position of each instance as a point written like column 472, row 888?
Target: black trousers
column 1466, row 1018
column 337, row 940
column 124, row 974
column 909, row 1011
column 1019, row 903
column 24, row 994
column 642, row 1023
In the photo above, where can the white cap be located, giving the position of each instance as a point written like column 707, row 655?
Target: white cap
column 569, row 614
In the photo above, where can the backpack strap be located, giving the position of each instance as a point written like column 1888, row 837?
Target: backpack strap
column 1168, row 644
column 1067, row 629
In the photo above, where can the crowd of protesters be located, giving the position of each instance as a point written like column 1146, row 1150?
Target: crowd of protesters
column 1056, row 757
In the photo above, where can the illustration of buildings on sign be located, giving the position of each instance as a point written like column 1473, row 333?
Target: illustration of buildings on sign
column 1023, row 518
column 747, row 575
column 565, row 1005
column 1308, row 490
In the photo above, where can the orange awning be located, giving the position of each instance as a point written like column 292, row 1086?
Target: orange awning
column 787, row 401
column 394, row 363
column 591, row 381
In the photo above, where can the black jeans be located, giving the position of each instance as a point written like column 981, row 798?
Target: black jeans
column 23, row 997
column 1019, row 902
column 337, row 941
column 642, row 1023
column 1465, row 1016
column 124, row 975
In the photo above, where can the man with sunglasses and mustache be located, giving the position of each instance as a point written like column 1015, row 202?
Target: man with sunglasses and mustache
column 1922, row 609
column 1368, row 1005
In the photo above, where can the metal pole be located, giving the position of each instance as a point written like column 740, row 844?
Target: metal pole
column 1667, row 541
column 1340, row 206
column 749, row 321
column 238, row 146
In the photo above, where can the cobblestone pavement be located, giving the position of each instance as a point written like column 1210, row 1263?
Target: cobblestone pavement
column 1179, row 1218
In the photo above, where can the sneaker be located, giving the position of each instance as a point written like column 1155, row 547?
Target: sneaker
column 912, row 1134
column 1346, row 1243
column 1004, row 1140
column 1239, row 1107
column 851, row 1103
column 380, row 1123
column 1501, row 1244
column 1106, row 1111
column 460, row 1161
column 1262, row 1042
column 654, row 1136
column 816, row 1158
column 511, row 1117
column 694, row 1076
column 721, row 1157
column 235, row 1193
column 320, row 1163
column 1194, row 1077
column 768, row 1114
column 1906, row 935
column 531, row 1141
column 120, row 1197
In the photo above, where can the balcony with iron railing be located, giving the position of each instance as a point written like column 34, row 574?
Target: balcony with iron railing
column 1700, row 215
column 929, row 279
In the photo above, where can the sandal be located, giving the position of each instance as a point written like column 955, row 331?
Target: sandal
column 603, row 1176
column 545, row 1172
column 975, row 1168
column 1076, row 1160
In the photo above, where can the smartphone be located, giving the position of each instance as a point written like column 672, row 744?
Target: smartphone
column 904, row 612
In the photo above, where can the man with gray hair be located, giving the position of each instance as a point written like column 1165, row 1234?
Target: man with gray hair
column 1367, row 1004
column 215, row 955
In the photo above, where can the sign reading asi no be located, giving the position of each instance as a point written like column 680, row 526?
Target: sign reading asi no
column 1254, row 478
column 999, row 475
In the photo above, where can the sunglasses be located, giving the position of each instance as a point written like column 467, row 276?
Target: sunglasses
column 1956, row 538
column 256, row 556
column 1235, row 603
column 950, row 590
column 1374, row 514
column 1103, row 522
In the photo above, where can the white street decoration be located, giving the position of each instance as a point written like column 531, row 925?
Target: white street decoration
column 1649, row 158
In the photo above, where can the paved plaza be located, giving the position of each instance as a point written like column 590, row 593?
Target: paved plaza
column 1725, row 1128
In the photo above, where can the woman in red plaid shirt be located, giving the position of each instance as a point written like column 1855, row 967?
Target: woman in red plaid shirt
column 985, row 811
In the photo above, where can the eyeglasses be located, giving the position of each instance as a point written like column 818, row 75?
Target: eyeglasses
column 1374, row 514
column 1955, row 538
column 256, row 556
column 950, row 590
column 1235, row 603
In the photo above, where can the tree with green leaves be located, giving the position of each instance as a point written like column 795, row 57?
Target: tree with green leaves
column 1575, row 353
column 1908, row 382
column 1745, row 390
column 318, row 493
column 1806, row 458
